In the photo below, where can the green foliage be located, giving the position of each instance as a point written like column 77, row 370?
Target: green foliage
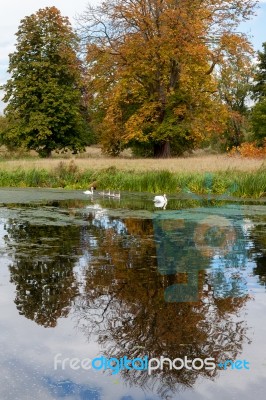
column 235, row 79
column 259, row 90
column 6, row 130
column 258, row 120
column 3, row 124
column 251, row 184
column 236, row 132
column 44, row 93
column 232, row 183
column 258, row 117
column 142, row 150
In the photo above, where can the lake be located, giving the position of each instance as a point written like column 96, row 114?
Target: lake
column 114, row 299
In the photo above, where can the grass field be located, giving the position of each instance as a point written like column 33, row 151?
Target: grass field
column 93, row 159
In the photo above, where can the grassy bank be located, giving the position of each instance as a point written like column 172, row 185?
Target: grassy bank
column 70, row 176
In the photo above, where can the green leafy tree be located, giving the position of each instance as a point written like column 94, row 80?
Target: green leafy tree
column 258, row 120
column 44, row 93
column 259, row 90
column 259, row 110
column 235, row 89
column 3, row 123
column 3, row 127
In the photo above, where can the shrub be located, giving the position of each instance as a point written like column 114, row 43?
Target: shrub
column 249, row 150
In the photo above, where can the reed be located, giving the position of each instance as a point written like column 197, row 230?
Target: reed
column 70, row 176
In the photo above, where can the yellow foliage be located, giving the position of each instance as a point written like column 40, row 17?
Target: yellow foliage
column 250, row 150
column 151, row 63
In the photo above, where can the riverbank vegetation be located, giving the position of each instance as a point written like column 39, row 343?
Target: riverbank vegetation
column 68, row 175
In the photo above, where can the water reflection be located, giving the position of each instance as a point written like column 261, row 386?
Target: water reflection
column 190, row 241
column 66, row 388
column 257, row 248
column 42, row 269
column 170, row 282
column 124, row 307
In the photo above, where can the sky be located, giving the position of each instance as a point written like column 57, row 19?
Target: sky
column 12, row 11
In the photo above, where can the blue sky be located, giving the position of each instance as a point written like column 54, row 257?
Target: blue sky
column 257, row 26
column 12, row 11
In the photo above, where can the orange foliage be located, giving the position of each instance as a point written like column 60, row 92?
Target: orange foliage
column 249, row 150
column 152, row 68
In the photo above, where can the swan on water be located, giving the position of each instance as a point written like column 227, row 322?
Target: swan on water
column 116, row 195
column 89, row 191
column 109, row 194
column 161, row 205
column 160, row 199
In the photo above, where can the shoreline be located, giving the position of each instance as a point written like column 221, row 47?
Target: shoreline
column 69, row 175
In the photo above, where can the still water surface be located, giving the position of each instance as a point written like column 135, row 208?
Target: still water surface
column 83, row 278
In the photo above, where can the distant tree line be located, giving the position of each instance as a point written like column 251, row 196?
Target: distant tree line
column 159, row 76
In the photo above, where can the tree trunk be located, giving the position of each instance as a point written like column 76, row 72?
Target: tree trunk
column 162, row 150
column 45, row 152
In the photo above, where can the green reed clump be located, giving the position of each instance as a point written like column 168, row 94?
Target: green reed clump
column 251, row 184
column 37, row 178
column 141, row 181
column 26, row 178
column 69, row 176
column 194, row 184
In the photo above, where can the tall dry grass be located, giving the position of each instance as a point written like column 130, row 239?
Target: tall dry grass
column 93, row 159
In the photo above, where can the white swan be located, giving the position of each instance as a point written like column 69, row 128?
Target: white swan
column 109, row 194
column 160, row 199
column 89, row 191
column 161, row 205
column 103, row 193
column 116, row 195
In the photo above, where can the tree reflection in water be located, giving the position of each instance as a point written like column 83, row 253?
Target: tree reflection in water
column 257, row 235
column 124, row 307
column 42, row 269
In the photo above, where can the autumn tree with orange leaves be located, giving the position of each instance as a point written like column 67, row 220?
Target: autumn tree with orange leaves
column 151, row 70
